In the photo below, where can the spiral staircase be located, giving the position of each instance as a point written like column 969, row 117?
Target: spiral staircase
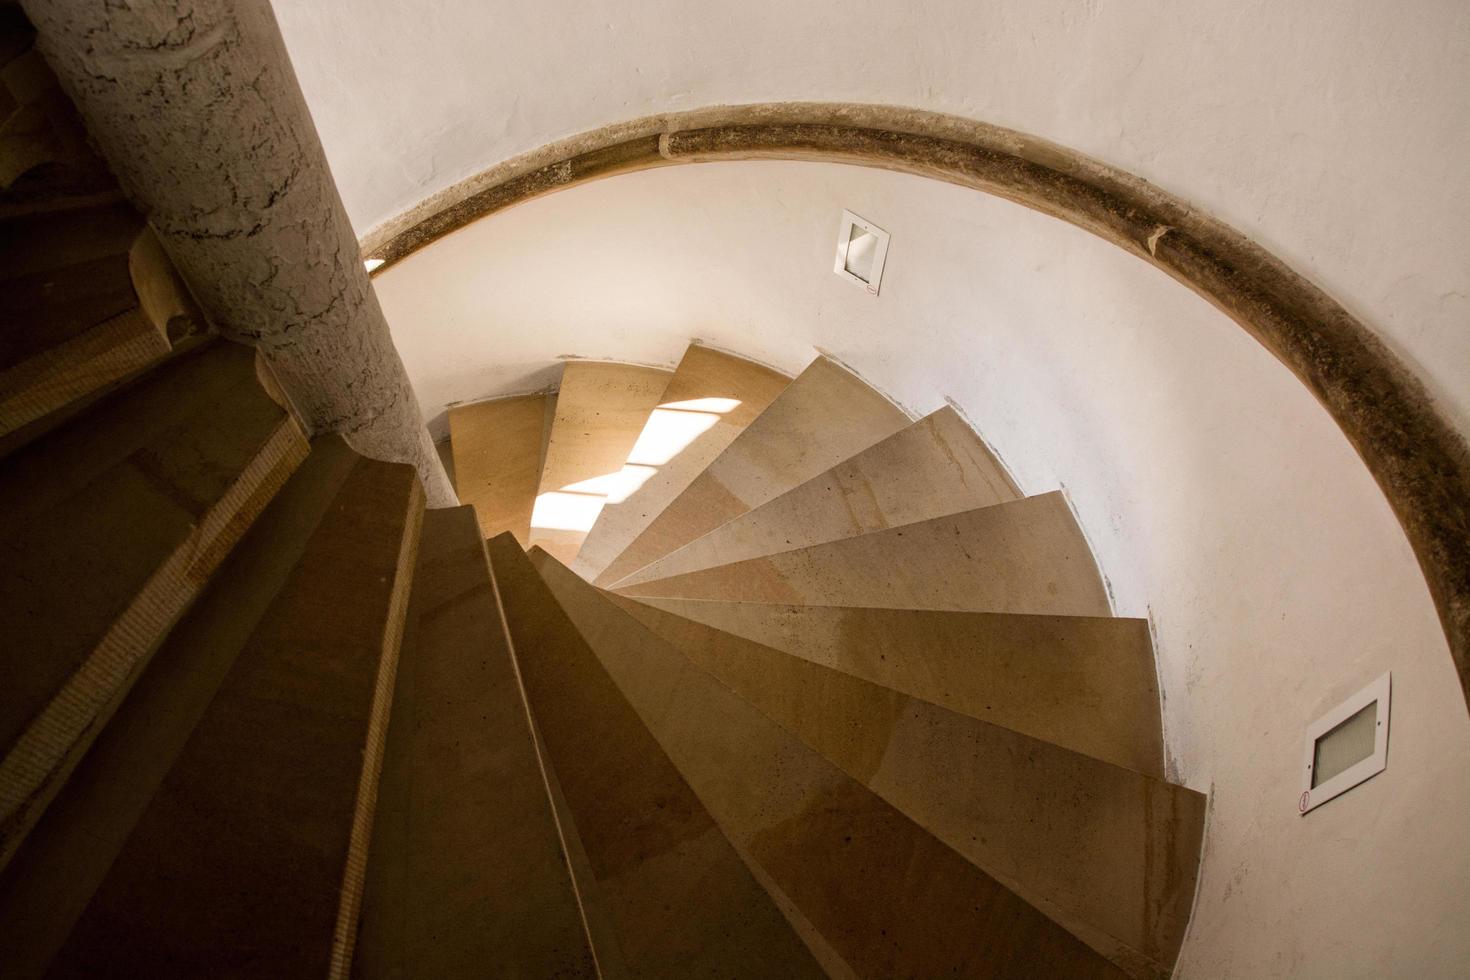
column 787, row 684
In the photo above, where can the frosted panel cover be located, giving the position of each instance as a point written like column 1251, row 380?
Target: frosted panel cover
column 1346, row 745
column 862, row 248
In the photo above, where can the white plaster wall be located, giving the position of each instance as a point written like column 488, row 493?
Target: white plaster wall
column 1334, row 132
column 1220, row 498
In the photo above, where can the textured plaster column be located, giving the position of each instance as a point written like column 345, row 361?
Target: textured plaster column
column 196, row 107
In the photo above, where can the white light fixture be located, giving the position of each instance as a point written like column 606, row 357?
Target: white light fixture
column 372, row 264
column 1346, row 745
column 862, row 248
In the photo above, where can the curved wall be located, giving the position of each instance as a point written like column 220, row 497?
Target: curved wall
column 1218, row 496
column 1221, row 499
column 1333, row 132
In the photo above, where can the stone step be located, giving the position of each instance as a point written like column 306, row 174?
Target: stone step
column 601, row 409
column 111, row 527
column 1084, row 682
column 1028, row 812
column 249, row 858
column 710, row 400
column 936, row 466
column 64, row 859
column 874, row 893
column 1025, row 556
column 466, row 867
column 821, row 418
column 498, row 448
column 658, row 875
column 88, row 299
column 46, row 160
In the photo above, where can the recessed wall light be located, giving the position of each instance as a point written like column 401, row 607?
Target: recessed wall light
column 862, row 248
column 1346, row 745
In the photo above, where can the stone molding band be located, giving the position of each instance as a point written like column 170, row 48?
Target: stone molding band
column 1420, row 461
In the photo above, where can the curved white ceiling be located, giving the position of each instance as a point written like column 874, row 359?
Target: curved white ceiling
column 1335, row 132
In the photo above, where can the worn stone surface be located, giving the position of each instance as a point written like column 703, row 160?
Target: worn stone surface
column 45, row 159
column 1029, row 812
column 888, row 897
column 601, row 408
column 498, row 447
column 703, row 374
column 680, row 900
column 466, row 867
column 111, row 528
column 1419, row 460
column 89, row 298
column 248, row 859
column 1084, row 682
column 56, row 872
column 936, row 466
column 1025, row 556
column 198, row 111
column 822, row 417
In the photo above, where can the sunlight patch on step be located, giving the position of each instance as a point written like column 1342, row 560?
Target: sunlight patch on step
column 559, row 511
column 720, row 406
column 669, row 432
column 670, row 429
column 615, row 487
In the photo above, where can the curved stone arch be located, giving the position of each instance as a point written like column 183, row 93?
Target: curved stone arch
column 1420, row 462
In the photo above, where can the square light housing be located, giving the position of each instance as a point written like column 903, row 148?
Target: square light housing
column 862, row 249
column 1347, row 745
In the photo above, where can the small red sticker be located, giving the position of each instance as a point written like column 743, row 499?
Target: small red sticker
column 1306, row 798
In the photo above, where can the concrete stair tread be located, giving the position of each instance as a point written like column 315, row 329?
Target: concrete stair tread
column 936, row 466
column 1023, row 556
column 884, row 896
column 248, row 858
column 711, row 398
column 466, row 866
column 59, row 866
column 1026, row 811
column 1087, row 683
column 111, row 530
column 824, row 416
column 498, row 449
column 601, row 408
column 658, row 875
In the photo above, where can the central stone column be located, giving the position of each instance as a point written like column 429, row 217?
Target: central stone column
column 196, row 107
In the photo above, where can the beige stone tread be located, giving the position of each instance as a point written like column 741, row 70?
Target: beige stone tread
column 1024, row 556
column 679, row 899
column 882, row 896
column 64, row 859
column 1087, row 683
column 710, row 400
column 466, row 867
column 601, row 408
column 936, row 466
column 112, row 526
column 824, row 416
column 497, row 449
column 1108, row 852
column 88, row 298
column 249, row 858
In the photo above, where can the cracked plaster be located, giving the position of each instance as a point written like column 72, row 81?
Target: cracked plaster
column 196, row 107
